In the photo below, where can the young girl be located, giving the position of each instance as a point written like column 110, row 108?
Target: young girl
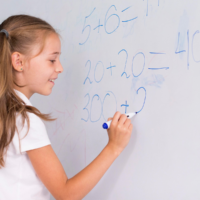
column 29, row 168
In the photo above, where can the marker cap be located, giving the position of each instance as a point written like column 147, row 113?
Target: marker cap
column 105, row 126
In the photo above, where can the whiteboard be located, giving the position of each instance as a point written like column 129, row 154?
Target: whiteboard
column 141, row 55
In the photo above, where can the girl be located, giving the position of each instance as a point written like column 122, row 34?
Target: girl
column 29, row 168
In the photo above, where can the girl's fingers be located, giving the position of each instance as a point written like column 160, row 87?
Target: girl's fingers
column 127, row 123
column 116, row 118
column 130, row 127
column 109, row 119
column 122, row 119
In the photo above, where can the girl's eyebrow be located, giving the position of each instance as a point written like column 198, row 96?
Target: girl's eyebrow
column 55, row 53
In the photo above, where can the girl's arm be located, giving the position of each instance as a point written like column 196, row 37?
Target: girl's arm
column 52, row 174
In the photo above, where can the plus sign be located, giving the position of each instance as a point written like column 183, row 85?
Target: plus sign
column 111, row 68
column 125, row 105
column 98, row 26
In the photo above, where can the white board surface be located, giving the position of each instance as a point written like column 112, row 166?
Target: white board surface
column 130, row 55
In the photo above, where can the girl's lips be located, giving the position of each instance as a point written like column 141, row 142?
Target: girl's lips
column 52, row 82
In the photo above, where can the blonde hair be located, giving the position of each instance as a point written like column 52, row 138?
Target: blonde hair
column 24, row 33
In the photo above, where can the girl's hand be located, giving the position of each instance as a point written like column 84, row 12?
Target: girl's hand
column 119, row 132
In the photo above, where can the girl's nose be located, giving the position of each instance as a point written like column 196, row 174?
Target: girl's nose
column 59, row 68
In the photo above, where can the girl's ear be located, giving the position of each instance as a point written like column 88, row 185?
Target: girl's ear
column 17, row 61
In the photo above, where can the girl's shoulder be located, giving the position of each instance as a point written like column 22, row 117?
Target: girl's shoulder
column 34, row 137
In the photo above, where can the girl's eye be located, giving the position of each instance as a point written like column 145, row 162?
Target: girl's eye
column 52, row 61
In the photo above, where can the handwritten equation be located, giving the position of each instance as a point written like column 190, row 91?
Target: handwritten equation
column 113, row 15
column 92, row 69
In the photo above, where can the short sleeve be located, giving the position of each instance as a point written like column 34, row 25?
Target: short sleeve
column 36, row 137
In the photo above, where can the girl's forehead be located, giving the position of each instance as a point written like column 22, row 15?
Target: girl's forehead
column 52, row 45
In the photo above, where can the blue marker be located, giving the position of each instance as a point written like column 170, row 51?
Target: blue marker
column 106, row 125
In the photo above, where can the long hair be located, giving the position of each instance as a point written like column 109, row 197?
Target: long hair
column 24, row 33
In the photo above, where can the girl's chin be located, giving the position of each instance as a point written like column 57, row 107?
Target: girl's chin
column 46, row 92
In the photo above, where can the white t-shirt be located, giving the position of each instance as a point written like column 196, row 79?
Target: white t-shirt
column 18, row 179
